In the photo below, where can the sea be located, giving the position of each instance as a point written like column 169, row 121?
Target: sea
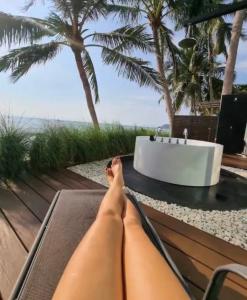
column 34, row 125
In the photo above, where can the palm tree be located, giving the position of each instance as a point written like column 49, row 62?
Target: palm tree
column 216, row 34
column 212, row 38
column 199, row 7
column 186, row 85
column 66, row 27
column 156, row 12
column 190, row 86
column 233, row 50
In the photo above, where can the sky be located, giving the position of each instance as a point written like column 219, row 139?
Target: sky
column 54, row 90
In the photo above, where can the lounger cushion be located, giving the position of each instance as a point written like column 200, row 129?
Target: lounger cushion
column 72, row 215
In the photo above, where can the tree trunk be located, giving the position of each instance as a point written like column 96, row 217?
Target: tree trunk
column 161, row 71
column 86, row 87
column 210, row 65
column 232, row 52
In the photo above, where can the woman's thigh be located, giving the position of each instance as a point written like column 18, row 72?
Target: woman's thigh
column 95, row 270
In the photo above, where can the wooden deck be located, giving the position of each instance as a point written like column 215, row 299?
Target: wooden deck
column 235, row 161
column 24, row 203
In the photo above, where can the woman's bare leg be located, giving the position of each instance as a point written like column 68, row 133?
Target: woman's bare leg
column 147, row 275
column 95, row 269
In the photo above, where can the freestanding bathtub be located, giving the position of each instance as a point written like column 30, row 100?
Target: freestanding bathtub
column 196, row 163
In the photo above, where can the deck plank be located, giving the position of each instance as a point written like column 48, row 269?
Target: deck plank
column 200, row 274
column 234, row 253
column 195, row 259
column 39, row 187
column 51, row 182
column 235, row 161
column 193, row 249
column 90, row 184
column 65, row 179
column 33, row 201
column 25, row 224
column 13, row 256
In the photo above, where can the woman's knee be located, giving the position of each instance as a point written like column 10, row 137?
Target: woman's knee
column 111, row 215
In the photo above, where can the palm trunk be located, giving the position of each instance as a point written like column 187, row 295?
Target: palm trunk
column 210, row 63
column 161, row 70
column 86, row 87
column 232, row 52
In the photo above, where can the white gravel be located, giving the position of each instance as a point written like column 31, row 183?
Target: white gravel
column 228, row 225
column 240, row 172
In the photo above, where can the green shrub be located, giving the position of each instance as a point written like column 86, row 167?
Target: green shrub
column 95, row 144
column 38, row 152
column 13, row 148
column 57, row 147
column 49, row 149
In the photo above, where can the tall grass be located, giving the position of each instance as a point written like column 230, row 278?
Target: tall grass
column 13, row 148
column 58, row 147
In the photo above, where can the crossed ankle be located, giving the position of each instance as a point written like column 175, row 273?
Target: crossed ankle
column 118, row 179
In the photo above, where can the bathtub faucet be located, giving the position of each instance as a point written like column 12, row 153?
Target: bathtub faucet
column 185, row 133
column 157, row 132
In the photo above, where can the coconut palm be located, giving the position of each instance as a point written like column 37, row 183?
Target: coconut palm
column 191, row 86
column 199, row 7
column 187, row 86
column 66, row 26
column 233, row 50
column 198, row 76
column 215, row 34
column 157, row 12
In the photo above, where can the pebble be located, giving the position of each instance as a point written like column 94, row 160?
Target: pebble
column 230, row 226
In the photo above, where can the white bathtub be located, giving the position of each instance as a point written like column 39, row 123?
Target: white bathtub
column 196, row 163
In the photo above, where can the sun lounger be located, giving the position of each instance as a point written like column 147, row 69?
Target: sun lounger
column 68, row 219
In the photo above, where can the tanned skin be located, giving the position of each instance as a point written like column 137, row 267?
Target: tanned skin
column 115, row 259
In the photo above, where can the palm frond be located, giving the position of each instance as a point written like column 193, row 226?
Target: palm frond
column 93, row 10
column 161, row 99
column 76, row 9
column 80, row 7
column 56, row 24
column 132, row 68
column 19, row 61
column 64, row 7
column 179, row 101
column 125, row 39
column 21, row 29
column 30, row 3
column 127, row 2
column 89, row 67
column 221, row 33
column 168, row 46
column 125, row 13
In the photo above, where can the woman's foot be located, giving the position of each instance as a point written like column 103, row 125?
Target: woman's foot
column 115, row 173
column 109, row 175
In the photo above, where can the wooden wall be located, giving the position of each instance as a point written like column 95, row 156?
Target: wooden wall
column 199, row 127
